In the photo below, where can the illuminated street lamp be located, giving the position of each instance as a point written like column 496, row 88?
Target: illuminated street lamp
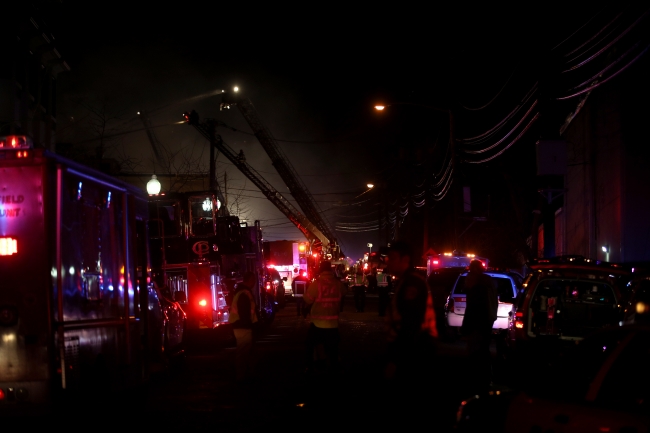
column 369, row 246
column 153, row 186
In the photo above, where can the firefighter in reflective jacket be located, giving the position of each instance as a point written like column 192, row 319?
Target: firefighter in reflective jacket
column 324, row 296
column 242, row 318
column 359, row 283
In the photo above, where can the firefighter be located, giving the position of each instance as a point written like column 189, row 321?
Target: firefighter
column 324, row 296
column 382, row 289
column 242, row 318
column 412, row 332
column 359, row 287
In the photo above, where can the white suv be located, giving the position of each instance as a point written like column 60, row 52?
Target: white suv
column 508, row 285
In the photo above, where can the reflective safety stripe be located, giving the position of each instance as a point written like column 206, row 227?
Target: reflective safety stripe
column 234, row 311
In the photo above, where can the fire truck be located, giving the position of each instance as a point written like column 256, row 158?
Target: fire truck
column 289, row 258
column 453, row 259
column 77, row 311
column 203, row 253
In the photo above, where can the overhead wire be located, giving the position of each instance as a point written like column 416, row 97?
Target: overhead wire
column 501, row 140
column 493, row 98
column 485, row 135
column 600, row 83
column 533, row 120
column 576, row 32
column 611, row 43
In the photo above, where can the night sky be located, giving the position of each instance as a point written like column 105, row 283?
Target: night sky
column 313, row 73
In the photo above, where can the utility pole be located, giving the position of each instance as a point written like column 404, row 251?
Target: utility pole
column 551, row 154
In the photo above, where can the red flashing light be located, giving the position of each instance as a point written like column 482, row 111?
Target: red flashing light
column 203, row 302
column 301, row 248
column 8, row 246
column 2, row 395
column 436, row 262
column 15, row 142
column 268, row 286
column 271, row 266
column 304, row 274
column 315, row 255
column 519, row 314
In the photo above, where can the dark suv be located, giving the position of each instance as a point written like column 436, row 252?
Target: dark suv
column 565, row 299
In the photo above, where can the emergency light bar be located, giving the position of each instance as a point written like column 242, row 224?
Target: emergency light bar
column 12, row 142
column 8, row 246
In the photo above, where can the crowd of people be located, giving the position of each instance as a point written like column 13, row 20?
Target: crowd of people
column 406, row 302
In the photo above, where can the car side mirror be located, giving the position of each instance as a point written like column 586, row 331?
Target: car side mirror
column 179, row 296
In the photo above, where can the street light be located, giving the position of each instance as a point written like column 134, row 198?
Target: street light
column 370, row 246
column 153, row 186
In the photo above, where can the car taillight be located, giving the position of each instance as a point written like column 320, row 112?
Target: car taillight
column 460, row 299
column 519, row 323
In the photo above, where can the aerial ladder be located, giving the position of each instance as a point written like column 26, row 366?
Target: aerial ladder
column 284, row 168
column 313, row 234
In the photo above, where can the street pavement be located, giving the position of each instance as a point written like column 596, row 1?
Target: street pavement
column 280, row 393
column 202, row 392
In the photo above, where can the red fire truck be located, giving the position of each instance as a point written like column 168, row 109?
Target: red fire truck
column 202, row 252
column 77, row 310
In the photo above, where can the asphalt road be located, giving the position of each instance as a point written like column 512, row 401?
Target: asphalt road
column 204, row 394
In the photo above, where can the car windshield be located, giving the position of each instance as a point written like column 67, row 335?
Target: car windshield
column 504, row 288
column 571, row 307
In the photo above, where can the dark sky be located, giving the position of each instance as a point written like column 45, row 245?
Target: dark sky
column 313, row 72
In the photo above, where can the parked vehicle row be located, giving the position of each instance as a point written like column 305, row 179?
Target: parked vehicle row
column 580, row 343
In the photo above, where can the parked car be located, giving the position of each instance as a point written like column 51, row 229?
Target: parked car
column 601, row 384
column 507, row 289
column 566, row 299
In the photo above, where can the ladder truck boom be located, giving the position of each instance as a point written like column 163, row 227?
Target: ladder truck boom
column 284, row 168
column 312, row 233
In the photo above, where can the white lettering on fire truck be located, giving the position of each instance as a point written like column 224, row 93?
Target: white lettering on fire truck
column 8, row 199
column 8, row 213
